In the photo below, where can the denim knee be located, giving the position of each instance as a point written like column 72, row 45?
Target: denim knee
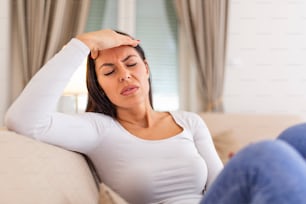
column 296, row 137
column 265, row 152
column 268, row 172
column 280, row 173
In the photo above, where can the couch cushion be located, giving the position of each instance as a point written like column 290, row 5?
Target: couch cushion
column 108, row 196
column 249, row 127
column 32, row 172
column 235, row 131
column 226, row 145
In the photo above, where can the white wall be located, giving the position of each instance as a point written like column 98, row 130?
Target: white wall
column 4, row 54
column 266, row 70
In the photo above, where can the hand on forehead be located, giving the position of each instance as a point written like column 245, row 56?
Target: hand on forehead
column 116, row 53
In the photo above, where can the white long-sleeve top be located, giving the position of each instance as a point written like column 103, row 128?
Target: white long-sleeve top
column 172, row 170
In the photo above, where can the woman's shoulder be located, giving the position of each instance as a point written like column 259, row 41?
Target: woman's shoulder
column 186, row 117
column 185, row 114
column 99, row 117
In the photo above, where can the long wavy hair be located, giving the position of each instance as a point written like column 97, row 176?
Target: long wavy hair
column 98, row 101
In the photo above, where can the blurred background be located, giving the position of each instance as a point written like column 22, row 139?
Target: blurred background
column 231, row 56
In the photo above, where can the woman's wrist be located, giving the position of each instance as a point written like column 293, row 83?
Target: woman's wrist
column 87, row 41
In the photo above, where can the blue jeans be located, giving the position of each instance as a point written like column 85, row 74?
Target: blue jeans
column 296, row 137
column 269, row 172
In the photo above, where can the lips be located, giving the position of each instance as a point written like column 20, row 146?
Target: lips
column 128, row 90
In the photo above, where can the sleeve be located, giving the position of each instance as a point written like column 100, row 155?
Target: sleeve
column 33, row 112
column 204, row 144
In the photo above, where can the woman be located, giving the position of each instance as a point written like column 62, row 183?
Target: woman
column 144, row 155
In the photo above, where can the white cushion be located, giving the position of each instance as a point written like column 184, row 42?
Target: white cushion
column 32, row 172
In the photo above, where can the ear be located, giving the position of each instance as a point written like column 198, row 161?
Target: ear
column 147, row 67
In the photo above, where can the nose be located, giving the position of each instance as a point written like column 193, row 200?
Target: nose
column 124, row 75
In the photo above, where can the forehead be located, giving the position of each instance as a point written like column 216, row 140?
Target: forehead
column 117, row 53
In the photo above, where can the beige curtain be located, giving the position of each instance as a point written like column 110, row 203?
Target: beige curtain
column 204, row 24
column 39, row 29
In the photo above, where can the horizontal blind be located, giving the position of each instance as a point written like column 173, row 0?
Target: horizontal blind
column 156, row 27
column 103, row 14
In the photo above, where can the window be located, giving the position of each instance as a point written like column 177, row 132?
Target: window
column 155, row 24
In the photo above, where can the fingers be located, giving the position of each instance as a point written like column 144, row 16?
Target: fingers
column 94, row 54
column 124, row 40
column 105, row 39
column 132, row 42
column 127, row 40
column 135, row 43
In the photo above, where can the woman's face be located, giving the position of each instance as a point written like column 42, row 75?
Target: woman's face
column 123, row 76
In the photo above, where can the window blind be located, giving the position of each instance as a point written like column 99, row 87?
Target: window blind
column 156, row 26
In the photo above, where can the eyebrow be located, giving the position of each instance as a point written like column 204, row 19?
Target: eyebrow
column 111, row 64
column 106, row 65
column 128, row 57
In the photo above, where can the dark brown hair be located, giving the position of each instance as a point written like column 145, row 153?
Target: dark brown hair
column 97, row 101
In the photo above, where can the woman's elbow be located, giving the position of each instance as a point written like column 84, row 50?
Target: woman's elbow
column 17, row 123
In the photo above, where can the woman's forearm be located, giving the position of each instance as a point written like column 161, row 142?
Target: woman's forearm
column 32, row 110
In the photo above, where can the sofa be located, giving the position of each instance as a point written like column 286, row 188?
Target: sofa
column 32, row 172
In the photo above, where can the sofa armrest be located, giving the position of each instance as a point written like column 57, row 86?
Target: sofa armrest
column 33, row 172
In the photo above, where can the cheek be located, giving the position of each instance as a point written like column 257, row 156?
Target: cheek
column 145, row 81
column 142, row 74
column 108, row 87
column 146, row 78
column 100, row 81
column 103, row 84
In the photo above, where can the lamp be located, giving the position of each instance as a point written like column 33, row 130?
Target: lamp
column 74, row 97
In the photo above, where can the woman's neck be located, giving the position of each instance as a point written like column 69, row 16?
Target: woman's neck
column 141, row 116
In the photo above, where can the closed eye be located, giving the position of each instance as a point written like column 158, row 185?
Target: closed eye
column 131, row 65
column 109, row 73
